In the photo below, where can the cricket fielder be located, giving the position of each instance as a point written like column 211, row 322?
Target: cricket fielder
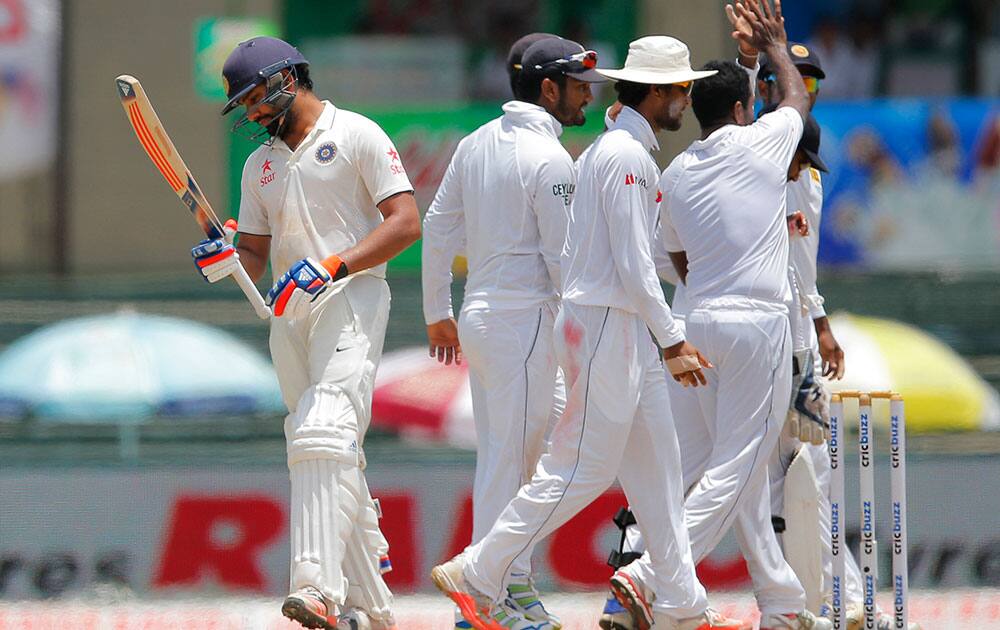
column 722, row 222
column 327, row 202
column 617, row 420
column 505, row 201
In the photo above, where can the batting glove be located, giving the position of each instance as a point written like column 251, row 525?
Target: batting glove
column 216, row 259
column 809, row 416
column 295, row 291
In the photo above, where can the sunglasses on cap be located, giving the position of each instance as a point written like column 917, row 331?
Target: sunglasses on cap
column 583, row 60
column 811, row 83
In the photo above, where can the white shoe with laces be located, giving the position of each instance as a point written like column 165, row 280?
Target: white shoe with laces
column 522, row 597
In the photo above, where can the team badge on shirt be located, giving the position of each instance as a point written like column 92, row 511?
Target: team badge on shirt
column 326, row 152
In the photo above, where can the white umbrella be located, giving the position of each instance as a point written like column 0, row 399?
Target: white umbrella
column 131, row 366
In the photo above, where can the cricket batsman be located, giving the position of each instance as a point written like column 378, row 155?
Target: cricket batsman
column 505, row 201
column 327, row 202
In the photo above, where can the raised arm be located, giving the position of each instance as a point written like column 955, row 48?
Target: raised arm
column 767, row 34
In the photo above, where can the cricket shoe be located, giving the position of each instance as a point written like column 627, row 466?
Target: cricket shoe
column 614, row 616
column 476, row 607
column 883, row 621
column 357, row 619
column 309, row 609
column 708, row 620
column 635, row 598
column 523, row 598
column 804, row 620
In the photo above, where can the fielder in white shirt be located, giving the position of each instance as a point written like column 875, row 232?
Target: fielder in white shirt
column 617, row 420
column 327, row 200
column 723, row 222
column 504, row 202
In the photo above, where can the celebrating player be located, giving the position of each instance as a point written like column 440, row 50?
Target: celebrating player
column 327, row 200
column 505, row 200
column 617, row 419
column 722, row 220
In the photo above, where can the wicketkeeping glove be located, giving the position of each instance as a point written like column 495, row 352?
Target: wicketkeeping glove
column 295, row 291
column 809, row 414
column 216, row 259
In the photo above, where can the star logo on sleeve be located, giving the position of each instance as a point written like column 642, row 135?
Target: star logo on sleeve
column 266, row 167
column 392, row 154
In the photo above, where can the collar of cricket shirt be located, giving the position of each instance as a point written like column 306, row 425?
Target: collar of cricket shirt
column 637, row 125
column 323, row 124
column 532, row 116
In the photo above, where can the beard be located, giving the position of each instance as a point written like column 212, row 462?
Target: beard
column 567, row 114
column 277, row 127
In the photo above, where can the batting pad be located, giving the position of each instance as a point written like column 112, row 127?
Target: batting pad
column 324, row 506
column 362, row 563
column 801, row 539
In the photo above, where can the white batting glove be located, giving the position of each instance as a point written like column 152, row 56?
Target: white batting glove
column 808, row 418
column 216, row 259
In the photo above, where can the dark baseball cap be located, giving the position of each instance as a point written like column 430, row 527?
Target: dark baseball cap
column 809, row 143
column 517, row 51
column 555, row 54
column 804, row 58
column 252, row 62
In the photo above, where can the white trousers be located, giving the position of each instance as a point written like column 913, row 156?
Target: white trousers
column 728, row 430
column 326, row 367
column 512, row 374
column 617, row 421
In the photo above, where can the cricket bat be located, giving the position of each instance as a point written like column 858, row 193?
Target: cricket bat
column 154, row 139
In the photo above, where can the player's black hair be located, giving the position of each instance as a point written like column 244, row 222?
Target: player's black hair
column 302, row 74
column 631, row 94
column 529, row 84
column 712, row 98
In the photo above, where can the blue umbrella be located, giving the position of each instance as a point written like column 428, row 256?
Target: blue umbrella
column 133, row 366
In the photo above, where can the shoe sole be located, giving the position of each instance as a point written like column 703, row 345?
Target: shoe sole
column 628, row 595
column 464, row 601
column 297, row 611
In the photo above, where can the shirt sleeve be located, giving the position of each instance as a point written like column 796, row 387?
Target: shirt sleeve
column 625, row 204
column 443, row 238
column 379, row 163
column 775, row 136
column 252, row 217
column 666, row 234
column 555, row 184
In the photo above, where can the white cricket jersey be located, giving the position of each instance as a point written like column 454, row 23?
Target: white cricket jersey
column 504, row 202
column 806, row 196
column 724, row 204
column 322, row 198
column 608, row 258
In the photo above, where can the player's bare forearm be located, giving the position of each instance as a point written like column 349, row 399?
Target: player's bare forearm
column 254, row 250
column 399, row 230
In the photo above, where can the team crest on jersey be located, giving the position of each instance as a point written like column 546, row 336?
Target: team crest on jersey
column 326, row 152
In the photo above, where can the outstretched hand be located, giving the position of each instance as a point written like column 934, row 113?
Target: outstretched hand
column 741, row 31
column 766, row 25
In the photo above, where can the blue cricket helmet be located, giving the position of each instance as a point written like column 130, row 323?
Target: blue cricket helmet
column 252, row 62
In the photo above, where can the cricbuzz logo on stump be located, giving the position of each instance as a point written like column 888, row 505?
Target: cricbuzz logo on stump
column 868, row 560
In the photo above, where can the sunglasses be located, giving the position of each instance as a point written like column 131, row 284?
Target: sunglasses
column 811, row 83
column 687, row 86
column 583, row 60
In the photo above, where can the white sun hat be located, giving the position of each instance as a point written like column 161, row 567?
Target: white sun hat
column 657, row 60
